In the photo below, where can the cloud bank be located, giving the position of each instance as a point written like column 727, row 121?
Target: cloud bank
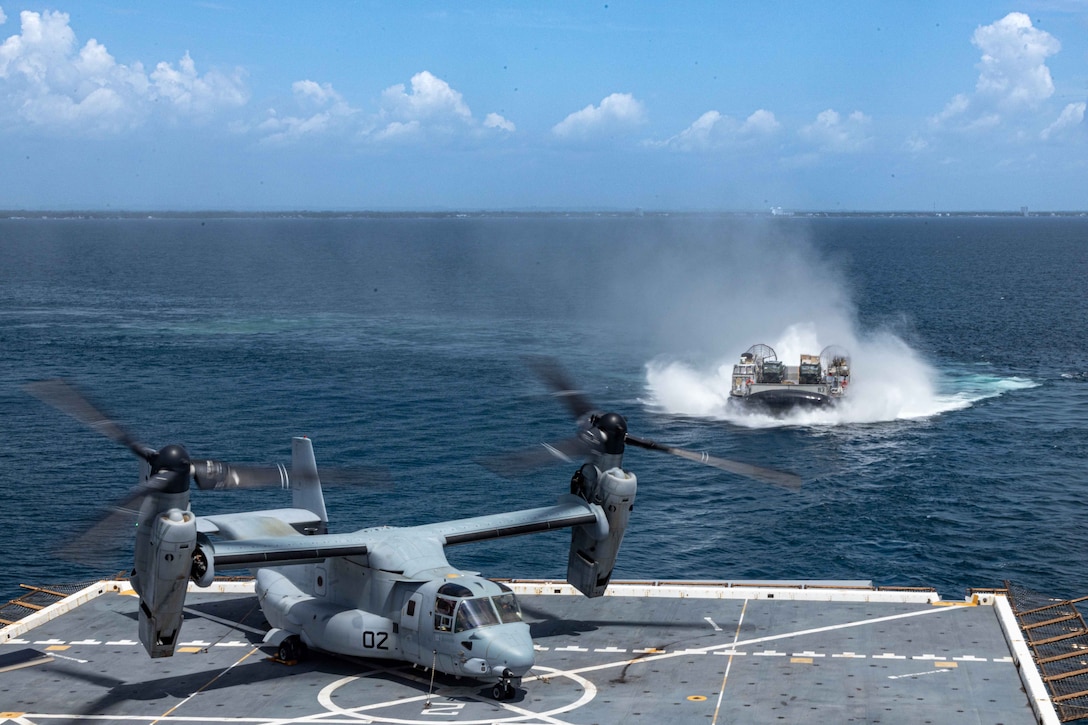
column 428, row 108
column 49, row 82
column 54, row 85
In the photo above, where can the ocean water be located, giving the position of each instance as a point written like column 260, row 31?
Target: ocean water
column 959, row 460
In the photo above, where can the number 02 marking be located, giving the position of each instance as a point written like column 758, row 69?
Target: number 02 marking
column 375, row 640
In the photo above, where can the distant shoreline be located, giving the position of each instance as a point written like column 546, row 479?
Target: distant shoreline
column 23, row 214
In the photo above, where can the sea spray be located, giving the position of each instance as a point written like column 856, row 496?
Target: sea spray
column 889, row 381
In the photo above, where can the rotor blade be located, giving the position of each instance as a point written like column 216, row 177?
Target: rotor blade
column 377, row 476
column 767, row 475
column 219, row 476
column 101, row 542
column 555, row 377
column 63, row 396
column 568, row 450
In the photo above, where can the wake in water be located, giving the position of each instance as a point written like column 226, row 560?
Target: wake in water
column 889, row 381
column 715, row 294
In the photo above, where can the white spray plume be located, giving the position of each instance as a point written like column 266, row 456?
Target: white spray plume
column 768, row 287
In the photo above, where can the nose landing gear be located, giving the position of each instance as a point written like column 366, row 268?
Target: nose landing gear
column 504, row 689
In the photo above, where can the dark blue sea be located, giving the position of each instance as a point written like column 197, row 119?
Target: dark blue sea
column 960, row 460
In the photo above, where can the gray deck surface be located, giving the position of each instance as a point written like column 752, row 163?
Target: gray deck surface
column 609, row 660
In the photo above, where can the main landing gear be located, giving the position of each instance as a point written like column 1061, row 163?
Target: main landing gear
column 291, row 650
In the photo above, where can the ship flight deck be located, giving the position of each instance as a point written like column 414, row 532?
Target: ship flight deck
column 709, row 652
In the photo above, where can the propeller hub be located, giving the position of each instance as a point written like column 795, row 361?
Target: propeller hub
column 613, row 429
column 173, row 458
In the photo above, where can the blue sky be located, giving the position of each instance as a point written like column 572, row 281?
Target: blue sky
column 731, row 106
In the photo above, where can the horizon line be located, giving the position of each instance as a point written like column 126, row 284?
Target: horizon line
column 776, row 212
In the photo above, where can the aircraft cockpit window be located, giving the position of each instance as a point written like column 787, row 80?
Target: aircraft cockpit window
column 443, row 614
column 475, row 613
column 451, row 589
column 507, row 604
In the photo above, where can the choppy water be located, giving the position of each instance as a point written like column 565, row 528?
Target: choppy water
column 959, row 460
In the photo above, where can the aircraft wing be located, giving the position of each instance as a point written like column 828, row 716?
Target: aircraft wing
column 258, row 524
column 266, row 550
column 281, row 550
column 570, row 511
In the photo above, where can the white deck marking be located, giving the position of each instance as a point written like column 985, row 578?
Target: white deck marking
column 760, row 640
column 226, row 622
column 366, row 713
column 729, row 664
column 611, row 649
column 209, row 683
column 71, row 659
column 713, row 624
column 935, row 671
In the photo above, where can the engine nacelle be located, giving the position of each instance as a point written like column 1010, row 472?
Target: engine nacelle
column 163, row 575
column 591, row 559
column 203, row 571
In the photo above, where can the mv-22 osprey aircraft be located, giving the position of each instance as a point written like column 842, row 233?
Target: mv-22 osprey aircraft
column 380, row 592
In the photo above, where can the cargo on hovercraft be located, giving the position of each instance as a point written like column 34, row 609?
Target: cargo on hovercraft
column 761, row 379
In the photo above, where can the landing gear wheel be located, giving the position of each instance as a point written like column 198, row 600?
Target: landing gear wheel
column 292, row 649
column 503, row 691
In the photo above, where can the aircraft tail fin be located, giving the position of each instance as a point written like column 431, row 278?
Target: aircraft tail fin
column 305, row 484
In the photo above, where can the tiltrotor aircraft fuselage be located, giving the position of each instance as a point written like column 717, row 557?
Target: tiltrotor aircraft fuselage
column 381, row 592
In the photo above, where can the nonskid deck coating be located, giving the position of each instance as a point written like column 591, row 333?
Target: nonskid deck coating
column 617, row 658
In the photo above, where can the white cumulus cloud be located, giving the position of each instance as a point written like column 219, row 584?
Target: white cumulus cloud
column 317, row 93
column 494, row 120
column 430, row 98
column 425, row 109
column 1013, row 71
column 832, row 133
column 1013, row 75
column 712, row 130
column 325, row 112
column 46, row 81
column 617, row 112
column 197, row 94
column 1071, row 117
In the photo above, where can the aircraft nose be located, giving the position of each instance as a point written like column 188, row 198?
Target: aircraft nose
column 511, row 648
